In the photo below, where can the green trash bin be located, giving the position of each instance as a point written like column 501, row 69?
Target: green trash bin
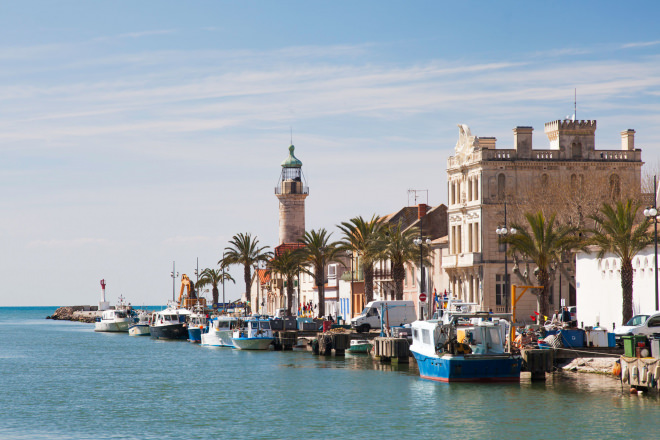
column 630, row 344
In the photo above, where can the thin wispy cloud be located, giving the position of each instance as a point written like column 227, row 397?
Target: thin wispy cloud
column 147, row 33
column 640, row 44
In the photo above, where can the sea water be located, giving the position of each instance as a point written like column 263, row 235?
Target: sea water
column 61, row 380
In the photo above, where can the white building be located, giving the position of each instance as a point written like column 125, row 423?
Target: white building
column 599, row 295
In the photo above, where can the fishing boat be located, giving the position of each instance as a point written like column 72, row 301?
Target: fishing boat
column 360, row 346
column 465, row 347
column 196, row 322
column 140, row 326
column 115, row 320
column 219, row 331
column 255, row 334
column 169, row 323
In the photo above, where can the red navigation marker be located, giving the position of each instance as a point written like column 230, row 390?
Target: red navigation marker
column 422, row 297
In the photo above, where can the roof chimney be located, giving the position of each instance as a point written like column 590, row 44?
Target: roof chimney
column 628, row 140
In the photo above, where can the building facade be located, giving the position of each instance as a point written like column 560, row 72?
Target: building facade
column 483, row 179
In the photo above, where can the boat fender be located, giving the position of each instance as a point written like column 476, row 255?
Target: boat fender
column 644, row 375
column 634, row 376
column 624, row 374
column 656, row 374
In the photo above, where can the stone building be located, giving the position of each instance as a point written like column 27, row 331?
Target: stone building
column 483, row 179
column 433, row 222
column 291, row 193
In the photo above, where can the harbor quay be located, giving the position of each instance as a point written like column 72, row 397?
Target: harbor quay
column 325, row 339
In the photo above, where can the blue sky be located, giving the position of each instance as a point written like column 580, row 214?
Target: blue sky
column 135, row 133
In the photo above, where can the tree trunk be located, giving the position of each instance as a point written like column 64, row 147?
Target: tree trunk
column 319, row 278
column 289, row 295
column 544, row 305
column 398, row 274
column 248, row 291
column 368, row 270
column 627, row 290
column 216, row 295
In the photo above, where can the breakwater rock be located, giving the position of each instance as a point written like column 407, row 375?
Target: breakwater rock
column 76, row 313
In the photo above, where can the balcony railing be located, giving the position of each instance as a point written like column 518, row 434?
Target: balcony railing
column 380, row 274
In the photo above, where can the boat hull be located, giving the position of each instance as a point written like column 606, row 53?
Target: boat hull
column 139, row 330
column 252, row 343
column 478, row 368
column 195, row 334
column 360, row 348
column 218, row 338
column 112, row 326
column 172, row 331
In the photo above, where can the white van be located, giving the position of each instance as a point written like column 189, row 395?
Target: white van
column 396, row 313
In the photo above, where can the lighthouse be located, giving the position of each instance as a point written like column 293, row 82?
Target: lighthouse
column 291, row 191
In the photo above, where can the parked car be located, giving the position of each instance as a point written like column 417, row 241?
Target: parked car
column 633, row 327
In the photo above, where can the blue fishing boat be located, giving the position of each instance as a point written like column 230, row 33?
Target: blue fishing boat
column 465, row 347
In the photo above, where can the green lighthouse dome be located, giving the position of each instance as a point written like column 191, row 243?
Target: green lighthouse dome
column 292, row 161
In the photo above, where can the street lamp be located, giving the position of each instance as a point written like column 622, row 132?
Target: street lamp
column 223, row 283
column 419, row 241
column 350, row 254
column 502, row 232
column 174, row 274
column 653, row 213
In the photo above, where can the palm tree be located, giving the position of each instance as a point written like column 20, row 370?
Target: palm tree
column 615, row 232
column 288, row 265
column 396, row 245
column 544, row 243
column 245, row 250
column 213, row 277
column 317, row 253
column 360, row 237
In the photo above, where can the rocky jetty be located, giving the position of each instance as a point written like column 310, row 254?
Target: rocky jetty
column 76, row 313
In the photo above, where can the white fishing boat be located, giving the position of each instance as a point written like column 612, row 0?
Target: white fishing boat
column 256, row 334
column 141, row 327
column 219, row 331
column 115, row 320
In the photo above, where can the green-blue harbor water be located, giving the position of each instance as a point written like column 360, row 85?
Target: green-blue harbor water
column 60, row 380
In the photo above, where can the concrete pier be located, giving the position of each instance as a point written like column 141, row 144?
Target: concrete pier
column 539, row 362
column 395, row 350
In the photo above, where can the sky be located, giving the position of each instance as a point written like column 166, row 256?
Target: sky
column 136, row 134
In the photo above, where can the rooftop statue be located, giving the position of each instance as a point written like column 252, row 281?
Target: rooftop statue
column 466, row 143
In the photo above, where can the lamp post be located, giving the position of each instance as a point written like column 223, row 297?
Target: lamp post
column 174, row 274
column 223, row 283
column 419, row 241
column 350, row 254
column 502, row 232
column 653, row 212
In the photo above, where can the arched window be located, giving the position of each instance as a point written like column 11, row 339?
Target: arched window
column 615, row 186
column 574, row 182
column 501, row 186
column 576, row 150
column 545, row 181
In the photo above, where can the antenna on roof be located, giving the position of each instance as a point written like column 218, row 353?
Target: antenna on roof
column 413, row 193
column 575, row 105
column 291, row 128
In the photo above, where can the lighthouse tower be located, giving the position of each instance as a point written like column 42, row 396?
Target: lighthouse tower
column 291, row 193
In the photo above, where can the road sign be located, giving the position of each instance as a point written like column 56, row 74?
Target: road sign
column 422, row 297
